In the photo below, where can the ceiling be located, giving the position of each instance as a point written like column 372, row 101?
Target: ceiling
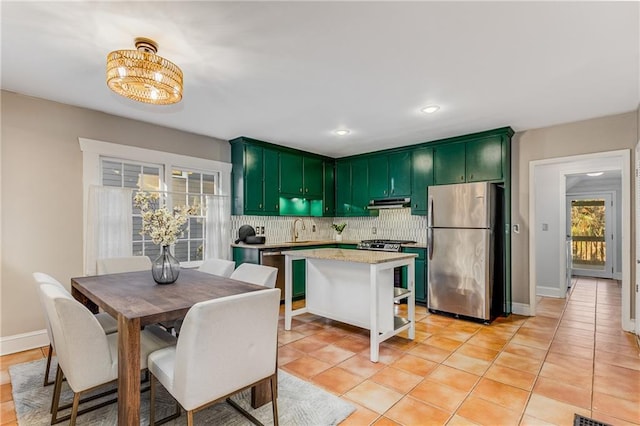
column 293, row 72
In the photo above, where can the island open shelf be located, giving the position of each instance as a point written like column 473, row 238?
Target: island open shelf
column 354, row 287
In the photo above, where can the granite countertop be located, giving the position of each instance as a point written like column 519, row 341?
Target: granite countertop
column 356, row 256
column 311, row 243
column 291, row 244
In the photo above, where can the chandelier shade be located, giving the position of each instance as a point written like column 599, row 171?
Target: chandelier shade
column 143, row 76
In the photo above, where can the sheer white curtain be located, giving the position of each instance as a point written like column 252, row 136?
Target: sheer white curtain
column 109, row 225
column 218, row 234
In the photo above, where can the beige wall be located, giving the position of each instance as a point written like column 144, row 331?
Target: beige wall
column 41, row 198
column 596, row 135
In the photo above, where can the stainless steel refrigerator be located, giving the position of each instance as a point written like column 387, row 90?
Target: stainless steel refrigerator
column 461, row 250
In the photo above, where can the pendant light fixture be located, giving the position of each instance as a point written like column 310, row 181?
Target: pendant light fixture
column 143, row 76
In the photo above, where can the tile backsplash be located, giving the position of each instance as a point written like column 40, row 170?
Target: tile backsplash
column 390, row 224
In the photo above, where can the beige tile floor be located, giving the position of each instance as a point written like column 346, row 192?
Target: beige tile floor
column 571, row 358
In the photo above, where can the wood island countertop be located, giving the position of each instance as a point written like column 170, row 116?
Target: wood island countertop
column 346, row 255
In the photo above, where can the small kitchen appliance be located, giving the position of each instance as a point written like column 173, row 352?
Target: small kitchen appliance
column 383, row 245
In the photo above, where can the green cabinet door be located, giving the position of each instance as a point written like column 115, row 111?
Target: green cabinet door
column 421, row 281
column 422, row 177
column 484, row 159
column 359, row 187
column 299, row 271
column 313, row 177
column 420, row 275
column 378, row 176
column 291, row 166
column 253, row 179
column 343, row 188
column 400, row 174
column 329, row 192
column 271, row 161
column 449, row 163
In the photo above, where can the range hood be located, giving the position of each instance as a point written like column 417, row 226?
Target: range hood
column 389, row 203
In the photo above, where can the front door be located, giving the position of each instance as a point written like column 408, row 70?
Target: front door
column 589, row 223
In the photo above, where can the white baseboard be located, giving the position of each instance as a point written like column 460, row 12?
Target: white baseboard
column 548, row 291
column 521, row 309
column 23, row 342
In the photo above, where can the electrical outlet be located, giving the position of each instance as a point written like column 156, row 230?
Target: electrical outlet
column 313, row 228
column 374, row 230
column 262, row 230
column 545, row 226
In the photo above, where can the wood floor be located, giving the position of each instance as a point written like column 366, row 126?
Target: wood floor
column 571, row 358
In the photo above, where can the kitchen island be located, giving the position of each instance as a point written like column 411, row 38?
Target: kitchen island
column 354, row 287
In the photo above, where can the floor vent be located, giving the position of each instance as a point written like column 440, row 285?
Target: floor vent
column 579, row 420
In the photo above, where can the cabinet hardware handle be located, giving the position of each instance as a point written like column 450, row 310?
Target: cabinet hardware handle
column 260, row 205
column 471, row 177
column 300, row 189
column 306, row 190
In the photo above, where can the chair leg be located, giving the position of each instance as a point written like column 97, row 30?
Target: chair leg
column 55, row 399
column 190, row 418
column 274, row 399
column 152, row 399
column 48, row 368
column 74, row 410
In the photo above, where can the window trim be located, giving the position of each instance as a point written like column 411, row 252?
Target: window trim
column 93, row 150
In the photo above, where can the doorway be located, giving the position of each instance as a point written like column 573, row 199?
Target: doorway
column 591, row 229
column 548, row 217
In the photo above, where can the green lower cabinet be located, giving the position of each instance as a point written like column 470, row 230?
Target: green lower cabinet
column 299, row 270
column 347, row 246
column 420, row 273
column 245, row 255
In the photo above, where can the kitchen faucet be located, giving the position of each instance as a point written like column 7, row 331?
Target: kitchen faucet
column 295, row 233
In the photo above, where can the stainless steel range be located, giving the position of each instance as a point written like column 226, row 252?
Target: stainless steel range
column 383, row 245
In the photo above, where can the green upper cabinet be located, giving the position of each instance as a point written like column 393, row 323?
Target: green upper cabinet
column 255, row 179
column 271, row 161
column 475, row 160
column 449, row 163
column 390, row 175
column 352, row 187
column 422, row 177
column 329, row 189
column 400, row 174
column 343, row 188
column 291, row 166
column 360, row 187
column 484, row 159
column 300, row 176
column 313, row 177
column 378, row 170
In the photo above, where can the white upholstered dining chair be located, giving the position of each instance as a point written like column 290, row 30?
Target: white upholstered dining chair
column 221, row 267
column 226, row 345
column 87, row 356
column 107, row 322
column 256, row 274
column 117, row 265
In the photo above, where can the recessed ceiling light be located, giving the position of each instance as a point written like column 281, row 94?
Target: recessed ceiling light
column 342, row 132
column 595, row 174
column 430, row 109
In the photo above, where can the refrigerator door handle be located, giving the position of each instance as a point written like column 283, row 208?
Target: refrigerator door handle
column 430, row 242
column 430, row 227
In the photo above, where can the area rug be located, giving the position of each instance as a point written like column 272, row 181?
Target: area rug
column 299, row 403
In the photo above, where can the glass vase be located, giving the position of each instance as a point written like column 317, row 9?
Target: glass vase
column 166, row 268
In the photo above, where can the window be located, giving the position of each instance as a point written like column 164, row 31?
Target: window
column 191, row 187
column 129, row 174
column 182, row 178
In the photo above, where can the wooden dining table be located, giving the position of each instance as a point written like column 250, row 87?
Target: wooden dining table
column 135, row 300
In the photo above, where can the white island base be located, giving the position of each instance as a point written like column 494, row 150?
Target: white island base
column 354, row 287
